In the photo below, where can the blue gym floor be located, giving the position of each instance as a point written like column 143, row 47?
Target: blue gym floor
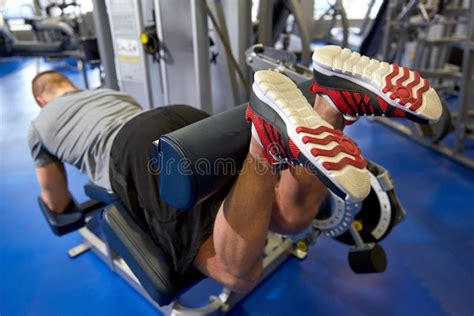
column 431, row 254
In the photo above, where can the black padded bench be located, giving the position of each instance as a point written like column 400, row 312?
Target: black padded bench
column 152, row 266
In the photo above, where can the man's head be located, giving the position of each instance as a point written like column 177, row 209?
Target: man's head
column 50, row 84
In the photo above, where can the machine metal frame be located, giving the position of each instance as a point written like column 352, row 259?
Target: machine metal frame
column 277, row 250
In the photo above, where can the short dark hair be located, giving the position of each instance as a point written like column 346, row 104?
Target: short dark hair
column 47, row 81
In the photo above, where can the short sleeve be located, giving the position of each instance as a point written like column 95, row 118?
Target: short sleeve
column 40, row 154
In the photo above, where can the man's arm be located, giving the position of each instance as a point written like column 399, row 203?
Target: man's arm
column 50, row 173
column 52, row 179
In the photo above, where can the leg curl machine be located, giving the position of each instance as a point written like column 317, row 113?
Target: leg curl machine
column 113, row 234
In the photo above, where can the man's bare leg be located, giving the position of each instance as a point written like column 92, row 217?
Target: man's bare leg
column 233, row 255
column 299, row 193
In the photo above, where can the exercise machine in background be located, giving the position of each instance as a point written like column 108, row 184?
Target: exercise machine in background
column 436, row 38
column 54, row 34
column 172, row 52
column 299, row 26
column 156, row 53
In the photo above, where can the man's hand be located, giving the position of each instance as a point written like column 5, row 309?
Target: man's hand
column 52, row 179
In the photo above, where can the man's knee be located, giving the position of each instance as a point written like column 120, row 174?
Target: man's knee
column 233, row 277
column 243, row 284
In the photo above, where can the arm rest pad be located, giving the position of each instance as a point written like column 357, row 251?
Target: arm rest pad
column 199, row 159
column 62, row 223
column 150, row 264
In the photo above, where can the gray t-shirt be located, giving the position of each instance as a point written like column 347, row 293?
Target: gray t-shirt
column 79, row 128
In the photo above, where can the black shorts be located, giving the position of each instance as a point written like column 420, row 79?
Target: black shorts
column 179, row 232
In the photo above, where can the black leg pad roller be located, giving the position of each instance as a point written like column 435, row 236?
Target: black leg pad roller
column 199, row 159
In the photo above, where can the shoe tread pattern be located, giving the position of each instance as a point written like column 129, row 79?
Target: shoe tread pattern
column 283, row 92
column 399, row 84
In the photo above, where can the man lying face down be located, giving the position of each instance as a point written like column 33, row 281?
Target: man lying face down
column 106, row 135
